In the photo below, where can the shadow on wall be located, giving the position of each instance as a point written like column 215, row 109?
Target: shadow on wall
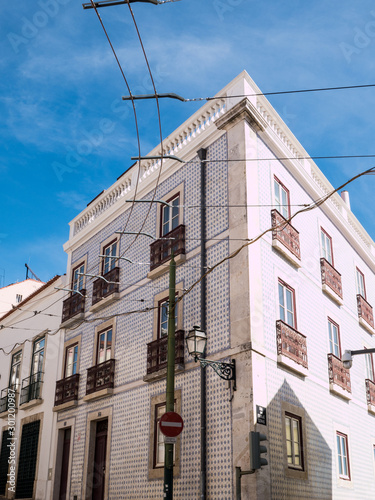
column 299, row 457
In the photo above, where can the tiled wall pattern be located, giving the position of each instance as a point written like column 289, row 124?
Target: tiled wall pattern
column 325, row 412
column 131, row 407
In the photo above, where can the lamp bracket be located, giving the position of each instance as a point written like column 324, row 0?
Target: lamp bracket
column 226, row 371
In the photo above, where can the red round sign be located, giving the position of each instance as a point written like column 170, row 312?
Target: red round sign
column 171, row 424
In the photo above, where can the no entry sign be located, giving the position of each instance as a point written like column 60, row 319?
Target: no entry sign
column 171, row 424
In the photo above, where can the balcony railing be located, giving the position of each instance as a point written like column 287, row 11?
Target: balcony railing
column 73, row 305
column 157, row 352
column 161, row 250
column 291, row 343
column 101, row 289
column 337, row 373
column 30, row 388
column 285, row 233
column 370, row 392
column 330, row 276
column 365, row 310
column 100, row 376
column 8, row 397
column 67, row 389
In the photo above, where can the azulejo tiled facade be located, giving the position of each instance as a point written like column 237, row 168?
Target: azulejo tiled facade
column 267, row 307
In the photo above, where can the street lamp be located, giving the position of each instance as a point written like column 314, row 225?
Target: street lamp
column 196, row 341
column 347, row 358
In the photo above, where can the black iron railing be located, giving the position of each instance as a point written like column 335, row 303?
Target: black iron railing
column 157, row 352
column 161, row 250
column 73, row 305
column 101, row 289
column 101, row 376
column 31, row 387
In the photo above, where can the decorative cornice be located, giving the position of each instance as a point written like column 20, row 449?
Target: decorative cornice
column 244, row 110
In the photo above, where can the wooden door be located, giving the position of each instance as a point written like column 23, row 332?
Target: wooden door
column 99, row 472
column 65, row 465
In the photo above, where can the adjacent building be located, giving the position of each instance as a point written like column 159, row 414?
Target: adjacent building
column 11, row 295
column 30, row 341
column 280, row 285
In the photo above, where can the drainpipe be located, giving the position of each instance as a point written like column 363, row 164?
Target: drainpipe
column 202, row 154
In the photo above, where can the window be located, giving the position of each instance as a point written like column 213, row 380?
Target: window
column 286, row 304
column 14, row 377
column 334, row 338
column 18, row 298
column 104, row 348
column 342, row 455
column 78, row 278
column 326, row 241
column 163, row 317
column 109, row 262
column 170, row 215
column 156, row 455
column 159, row 437
column 293, row 441
column 281, row 198
column 361, row 290
column 370, row 371
column 37, row 361
column 71, row 357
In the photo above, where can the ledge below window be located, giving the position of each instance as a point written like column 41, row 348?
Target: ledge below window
column 332, row 294
column 98, row 394
column 366, row 326
column 339, row 391
column 31, row 404
column 163, row 268
column 280, row 247
column 65, row 406
column 151, row 377
column 73, row 320
column 6, row 414
column 106, row 301
column 292, row 365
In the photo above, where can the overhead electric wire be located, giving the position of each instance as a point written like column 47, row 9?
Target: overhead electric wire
column 313, row 205
column 282, row 92
column 282, row 225
column 133, row 104
column 160, row 133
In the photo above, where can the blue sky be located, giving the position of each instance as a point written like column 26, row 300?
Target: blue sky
column 60, row 86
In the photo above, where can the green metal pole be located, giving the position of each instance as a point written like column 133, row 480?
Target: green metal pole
column 168, row 456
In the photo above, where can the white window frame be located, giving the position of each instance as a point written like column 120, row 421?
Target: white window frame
column 109, row 262
column 107, row 350
column 170, row 215
column 327, row 247
column 334, row 343
column 77, row 277
column 284, row 291
column 281, row 195
column 342, row 453
column 360, row 282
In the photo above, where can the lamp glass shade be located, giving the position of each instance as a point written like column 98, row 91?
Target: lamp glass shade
column 196, row 342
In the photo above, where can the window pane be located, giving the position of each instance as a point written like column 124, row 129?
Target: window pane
column 281, row 302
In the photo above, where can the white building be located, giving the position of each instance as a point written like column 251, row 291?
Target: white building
column 13, row 294
column 30, row 342
column 277, row 305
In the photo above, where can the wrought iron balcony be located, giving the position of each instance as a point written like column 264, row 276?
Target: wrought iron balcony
column 161, row 250
column 157, row 352
column 67, row 389
column 291, row 343
column 365, row 310
column 330, row 277
column 100, row 377
column 31, row 388
column 73, row 305
column 338, row 374
column 370, row 392
column 285, row 233
column 8, row 397
column 101, row 289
